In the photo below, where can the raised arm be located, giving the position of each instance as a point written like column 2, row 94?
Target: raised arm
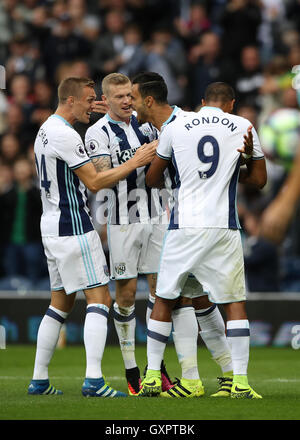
column 255, row 173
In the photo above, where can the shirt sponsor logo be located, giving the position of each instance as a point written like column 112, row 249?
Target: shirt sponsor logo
column 123, row 156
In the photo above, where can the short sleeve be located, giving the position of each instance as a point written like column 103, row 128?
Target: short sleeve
column 70, row 149
column 164, row 149
column 97, row 142
column 257, row 150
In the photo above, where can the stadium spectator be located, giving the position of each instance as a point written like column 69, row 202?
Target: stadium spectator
column 191, row 26
column 271, row 27
column 239, row 22
column 20, row 225
column 64, row 45
column 10, row 149
column 6, row 178
column 206, row 65
column 167, row 57
column 248, row 77
column 24, row 58
column 20, row 93
column 132, row 57
column 108, row 47
column 261, row 256
column 277, row 77
column 86, row 24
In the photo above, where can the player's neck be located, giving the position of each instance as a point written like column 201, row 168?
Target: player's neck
column 67, row 115
column 118, row 118
column 161, row 115
column 226, row 107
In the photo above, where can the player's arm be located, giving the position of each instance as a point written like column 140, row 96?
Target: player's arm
column 277, row 216
column 101, row 163
column 247, row 149
column 155, row 174
column 95, row 181
column 255, row 173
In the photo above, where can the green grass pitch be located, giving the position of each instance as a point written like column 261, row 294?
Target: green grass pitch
column 273, row 372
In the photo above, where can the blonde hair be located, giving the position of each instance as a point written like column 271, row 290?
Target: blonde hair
column 115, row 79
column 73, row 86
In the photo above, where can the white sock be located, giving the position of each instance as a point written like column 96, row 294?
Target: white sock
column 212, row 332
column 185, row 337
column 124, row 319
column 94, row 336
column 47, row 338
column 157, row 337
column 238, row 336
column 150, row 304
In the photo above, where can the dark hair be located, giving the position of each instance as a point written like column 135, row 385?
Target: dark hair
column 219, row 91
column 152, row 84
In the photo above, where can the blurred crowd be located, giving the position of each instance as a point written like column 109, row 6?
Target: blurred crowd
column 252, row 44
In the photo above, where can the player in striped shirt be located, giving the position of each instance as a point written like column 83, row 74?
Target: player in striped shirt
column 137, row 217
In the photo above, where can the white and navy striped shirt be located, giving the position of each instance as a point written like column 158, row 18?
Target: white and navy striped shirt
column 131, row 200
column 58, row 151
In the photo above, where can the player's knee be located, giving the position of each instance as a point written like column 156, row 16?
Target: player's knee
column 201, row 302
column 126, row 298
column 184, row 301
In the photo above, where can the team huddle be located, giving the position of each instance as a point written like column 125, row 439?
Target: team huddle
column 171, row 180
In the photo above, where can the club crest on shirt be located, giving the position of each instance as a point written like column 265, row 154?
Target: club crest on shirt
column 120, row 268
column 80, row 151
column 92, row 146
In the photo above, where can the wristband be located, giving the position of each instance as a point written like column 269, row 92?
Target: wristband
column 246, row 156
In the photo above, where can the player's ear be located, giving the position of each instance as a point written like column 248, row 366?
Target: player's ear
column 70, row 100
column 203, row 102
column 149, row 101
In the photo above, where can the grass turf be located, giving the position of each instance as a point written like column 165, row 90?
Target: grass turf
column 273, row 372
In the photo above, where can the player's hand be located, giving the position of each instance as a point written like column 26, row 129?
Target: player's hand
column 247, row 147
column 276, row 219
column 145, row 154
column 100, row 107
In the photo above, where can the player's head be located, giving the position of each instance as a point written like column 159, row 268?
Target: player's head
column 116, row 89
column 148, row 90
column 78, row 95
column 219, row 94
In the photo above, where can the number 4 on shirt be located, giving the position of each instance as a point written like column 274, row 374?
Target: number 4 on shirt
column 45, row 183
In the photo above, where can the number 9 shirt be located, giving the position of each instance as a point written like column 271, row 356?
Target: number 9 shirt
column 203, row 237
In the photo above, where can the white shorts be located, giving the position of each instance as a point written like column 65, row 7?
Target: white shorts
column 76, row 262
column 192, row 288
column 134, row 249
column 214, row 256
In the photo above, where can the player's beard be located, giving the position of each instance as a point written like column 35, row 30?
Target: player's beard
column 142, row 117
